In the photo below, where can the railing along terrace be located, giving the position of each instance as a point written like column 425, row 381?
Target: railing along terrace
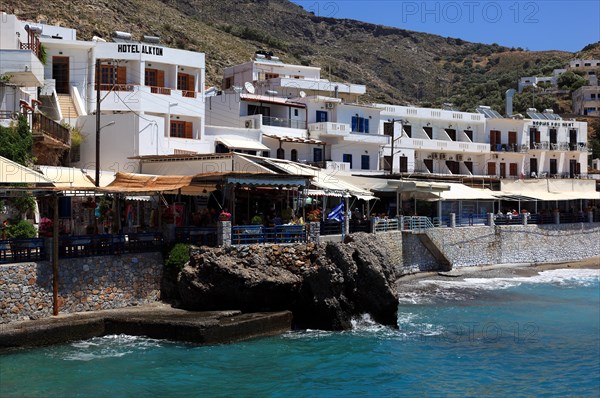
column 201, row 236
column 331, row 227
column 281, row 122
column 43, row 124
column 22, row 250
column 280, row 234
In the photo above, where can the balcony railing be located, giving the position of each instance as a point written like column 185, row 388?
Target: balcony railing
column 44, row 125
column 34, row 47
column 189, row 94
column 280, row 122
column 160, row 90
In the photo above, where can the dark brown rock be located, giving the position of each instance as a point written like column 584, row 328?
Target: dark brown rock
column 333, row 283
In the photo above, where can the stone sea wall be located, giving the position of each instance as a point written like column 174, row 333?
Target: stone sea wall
column 474, row 246
column 85, row 284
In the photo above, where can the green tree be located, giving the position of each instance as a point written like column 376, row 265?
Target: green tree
column 16, row 142
column 570, row 81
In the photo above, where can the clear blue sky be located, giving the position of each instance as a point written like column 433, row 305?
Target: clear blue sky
column 535, row 25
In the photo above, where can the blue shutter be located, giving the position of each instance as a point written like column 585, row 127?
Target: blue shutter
column 366, row 130
column 354, row 123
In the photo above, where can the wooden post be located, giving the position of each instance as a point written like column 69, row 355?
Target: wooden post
column 55, row 258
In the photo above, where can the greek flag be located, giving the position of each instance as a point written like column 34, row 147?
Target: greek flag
column 337, row 213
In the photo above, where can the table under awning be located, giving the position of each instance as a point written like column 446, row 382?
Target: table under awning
column 241, row 143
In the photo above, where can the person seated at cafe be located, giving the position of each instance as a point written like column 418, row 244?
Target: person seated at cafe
column 514, row 212
column 509, row 215
column 500, row 214
column 277, row 220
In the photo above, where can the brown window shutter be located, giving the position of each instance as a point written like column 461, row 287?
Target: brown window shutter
column 160, row 78
column 191, row 83
column 122, row 75
column 188, row 129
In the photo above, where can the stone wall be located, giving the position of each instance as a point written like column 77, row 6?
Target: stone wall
column 416, row 257
column 517, row 243
column 85, row 284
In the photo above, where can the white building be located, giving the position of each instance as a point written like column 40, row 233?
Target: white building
column 433, row 141
column 538, row 146
column 21, row 71
column 297, row 115
column 586, row 101
column 152, row 99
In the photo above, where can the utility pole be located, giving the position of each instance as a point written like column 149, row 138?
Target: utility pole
column 98, row 79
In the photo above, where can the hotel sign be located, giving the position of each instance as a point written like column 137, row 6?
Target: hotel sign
column 139, row 49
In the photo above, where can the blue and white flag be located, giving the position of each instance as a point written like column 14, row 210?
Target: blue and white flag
column 337, row 213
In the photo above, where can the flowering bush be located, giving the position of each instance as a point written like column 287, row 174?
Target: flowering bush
column 314, row 215
column 45, row 228
column 224, row 216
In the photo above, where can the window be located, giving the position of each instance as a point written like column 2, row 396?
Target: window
column 294, row 155
column 266, row 154
column 469, row 134
column 365, row 161
column 513, row 169
column 227, row 83
column 593, row 96
column 404, row 164
column 407, row 130
column 321, row 116
column 181, row 129
column 495, row 140
column 512, row 139
column 347, row 158
column 534, row 138
column 451, row 133
column 388, row 129
column 553, row 135
column 112, row 75
column 280, row 153
column 271, row 76
column 428, row 131
column 360, row 124
column 317, row 154
column 553, row 167
column 259, row 110
column 295, row 112
column 187, row 84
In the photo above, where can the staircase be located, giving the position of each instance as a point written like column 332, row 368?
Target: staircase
column 442, row 260
column 67, row 108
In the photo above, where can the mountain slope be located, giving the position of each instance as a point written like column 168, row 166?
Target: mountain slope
column 397, row 65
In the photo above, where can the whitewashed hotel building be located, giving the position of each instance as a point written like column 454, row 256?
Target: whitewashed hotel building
column 152, row 97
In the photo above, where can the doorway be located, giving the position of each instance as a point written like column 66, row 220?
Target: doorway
column 60, row 73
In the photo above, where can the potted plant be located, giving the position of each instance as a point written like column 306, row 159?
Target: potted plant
column 314, row 215
column 224, row 216
column 46, row 227
column 256, row 220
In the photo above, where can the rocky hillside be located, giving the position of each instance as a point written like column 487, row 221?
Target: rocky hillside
column 398, row 66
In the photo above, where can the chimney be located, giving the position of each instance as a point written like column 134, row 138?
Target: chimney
column 510, row 93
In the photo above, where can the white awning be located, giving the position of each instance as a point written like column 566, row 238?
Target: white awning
column 241, row 143
column 366, row 197
column 464, row 192
column 548, row 196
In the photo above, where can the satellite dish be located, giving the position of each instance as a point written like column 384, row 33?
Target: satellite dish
column 249, row 87
column 302, row 94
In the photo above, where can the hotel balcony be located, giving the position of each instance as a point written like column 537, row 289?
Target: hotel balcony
column 139, row 98
column 344, row 131
column 48, row 132
column 442, row 146
column 523, row 148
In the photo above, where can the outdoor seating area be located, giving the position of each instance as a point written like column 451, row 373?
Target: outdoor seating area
column 280, row 234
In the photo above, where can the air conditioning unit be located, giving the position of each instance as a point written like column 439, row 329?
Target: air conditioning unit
column 459, row 158
column 329, row 105
column 249, row 124
column 434, row 155
column 494, row 156
column 442, row 156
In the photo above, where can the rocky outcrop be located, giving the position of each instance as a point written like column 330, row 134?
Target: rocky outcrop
column 323, row 285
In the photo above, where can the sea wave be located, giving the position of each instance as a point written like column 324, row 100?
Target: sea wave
column 111, row 346
column 562, row 277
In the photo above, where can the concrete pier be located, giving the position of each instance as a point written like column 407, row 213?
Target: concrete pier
column 159, row 321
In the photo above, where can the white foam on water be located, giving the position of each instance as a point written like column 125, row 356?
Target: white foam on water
column 112, row 346
column 563, row 277
column 409, row 325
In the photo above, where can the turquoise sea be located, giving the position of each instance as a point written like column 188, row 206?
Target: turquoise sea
column 536, row 336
